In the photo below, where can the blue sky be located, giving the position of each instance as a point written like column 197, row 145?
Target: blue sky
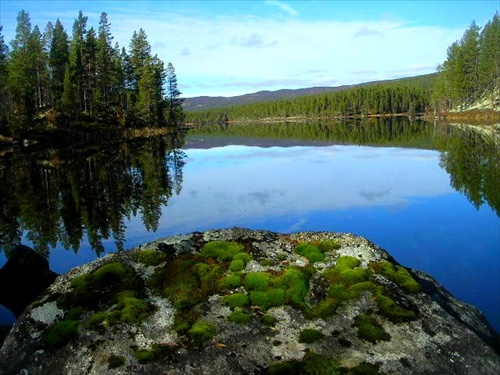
column 236, row 47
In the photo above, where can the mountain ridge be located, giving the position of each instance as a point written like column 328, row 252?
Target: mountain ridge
column 206, row 102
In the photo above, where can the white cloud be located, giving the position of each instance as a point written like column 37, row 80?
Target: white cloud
column 283, row 6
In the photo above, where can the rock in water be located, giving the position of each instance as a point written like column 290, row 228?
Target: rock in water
column 25, row 275
column 237, row 301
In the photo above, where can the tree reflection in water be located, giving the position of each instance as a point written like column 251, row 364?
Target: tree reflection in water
column 62, row 195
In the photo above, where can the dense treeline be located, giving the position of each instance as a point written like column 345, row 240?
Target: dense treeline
column 83, row 77
column 373, row 100
column 471, row 71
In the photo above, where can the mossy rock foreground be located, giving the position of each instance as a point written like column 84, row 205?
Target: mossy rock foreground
column 237, row 301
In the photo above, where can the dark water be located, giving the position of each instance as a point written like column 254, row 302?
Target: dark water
column 426, row 193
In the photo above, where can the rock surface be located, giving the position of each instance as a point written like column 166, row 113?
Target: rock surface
column 237, row 301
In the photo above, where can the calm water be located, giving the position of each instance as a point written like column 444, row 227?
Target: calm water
column 427, row 194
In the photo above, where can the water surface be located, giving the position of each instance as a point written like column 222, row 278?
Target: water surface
column 425, row 193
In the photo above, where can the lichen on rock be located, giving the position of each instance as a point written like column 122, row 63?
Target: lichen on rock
column 236, row 301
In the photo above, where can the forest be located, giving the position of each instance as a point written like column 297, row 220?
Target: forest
column 471, row 73
column 54, row 78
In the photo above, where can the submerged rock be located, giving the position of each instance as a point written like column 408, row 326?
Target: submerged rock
column 238, row 301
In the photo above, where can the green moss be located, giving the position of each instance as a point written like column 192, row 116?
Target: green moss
column 295, row 281
column 240, row 317
column 74, row 313
column 62, row 333
column 268, row 320
column 346, row 262
column 311, row 252
column 201, row 332
column 328, row 245
column 364, row 368
column 231, row 281
column 308, row 336
column 395, row 313
column 97, row 319
column 398, row 274
column 151, row 257
column 144, row 356
column 236, row 300
column 324, row 308
column 130, row 309
column 285, row 368
column 221, row 250
column 257, row 281
column 354, row 276
column 99, row 287
column 243, row 256
column 115, row 361
column 237, row 265
column 315, row 364
column 370, row 330
column 272, row 297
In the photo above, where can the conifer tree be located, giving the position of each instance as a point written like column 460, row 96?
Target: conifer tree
column 4, row 102
column 59, row 57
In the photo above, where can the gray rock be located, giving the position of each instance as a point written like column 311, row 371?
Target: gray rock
column 438, row 335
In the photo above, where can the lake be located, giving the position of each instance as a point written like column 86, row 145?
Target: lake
column 426, row 193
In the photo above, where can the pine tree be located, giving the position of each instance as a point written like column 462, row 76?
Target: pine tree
column 174, row 115
column 59, row 57
column 69, row 97
column 489, row 59
column 4, row 100
column 76, row 53
column 104, row 64
column 20, row 83
column 89, row 57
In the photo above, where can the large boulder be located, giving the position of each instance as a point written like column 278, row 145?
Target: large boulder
column 238, row 301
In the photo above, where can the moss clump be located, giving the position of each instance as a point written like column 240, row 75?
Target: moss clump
column 295, row 281
column 311, row 252
column 327, row 246
column 370, row 330
column 395, row 313
column 62, row 333
column 144, row 356
column 115, row 361
column 99, row 287
column 236, row 300
column 398, row 274
column 311, row 364
column 231, row 281
column 151, row 257
column 222, row 250
column 258, row 280
column 346, row 262
column 364, row 368
column 129, row 309
column 268, row 320
column 237, row 265
column 271, row 297
column 240, row 317
column 201, row 332
column 308, row 336
column 243, row 256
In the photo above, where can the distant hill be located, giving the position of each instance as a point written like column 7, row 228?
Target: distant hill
column 201, row 103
